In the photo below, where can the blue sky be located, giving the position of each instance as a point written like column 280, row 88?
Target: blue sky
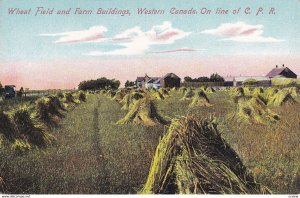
column 20, row 36
column 29, row 38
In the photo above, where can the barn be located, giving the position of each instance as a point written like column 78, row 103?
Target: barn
column 170, row 80
column 281, row 72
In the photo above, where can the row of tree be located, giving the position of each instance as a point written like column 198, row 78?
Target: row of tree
column 213, row 78
column 100, row 83
column 129, row 83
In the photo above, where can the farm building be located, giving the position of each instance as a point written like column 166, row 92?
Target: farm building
column 281, row 72
column 147, row 82
column 260, row 81
column 140, row 82
column 153, row 83
column 169, row 80
column 228, row 81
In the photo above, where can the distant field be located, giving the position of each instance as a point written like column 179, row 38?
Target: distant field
column 95, row 155
column 284, row 81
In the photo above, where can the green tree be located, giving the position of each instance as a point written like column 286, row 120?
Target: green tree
column 129, row 83
column 203, row 79
column 100, row 83
column 216, row 78
column 188, row 79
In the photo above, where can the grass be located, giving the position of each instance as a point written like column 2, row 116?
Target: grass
column 95, row 155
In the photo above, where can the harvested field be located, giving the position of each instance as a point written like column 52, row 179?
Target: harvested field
column 99, row 156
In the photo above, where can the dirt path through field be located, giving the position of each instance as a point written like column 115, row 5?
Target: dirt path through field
column 102, row 182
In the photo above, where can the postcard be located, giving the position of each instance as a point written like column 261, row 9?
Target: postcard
column 149, row 97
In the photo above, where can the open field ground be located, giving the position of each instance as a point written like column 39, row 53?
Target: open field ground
column 94, row 155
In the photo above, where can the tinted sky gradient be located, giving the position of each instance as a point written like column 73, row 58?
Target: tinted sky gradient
column 56, row 51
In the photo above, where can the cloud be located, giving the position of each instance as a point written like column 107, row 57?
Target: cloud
column 136, row 42
column 93, row 34
column 241, row 32
column 184, row 49
column 128, row 34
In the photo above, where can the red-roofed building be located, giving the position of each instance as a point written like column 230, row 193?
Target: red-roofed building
column 281, row 72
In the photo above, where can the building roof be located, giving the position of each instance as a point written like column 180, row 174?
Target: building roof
column 154, row 80
column 140, row 79
column 150, row 81
column 258, row 78
column 170, row 74
column 277, row 71
column 157, row 81
column 143, row 78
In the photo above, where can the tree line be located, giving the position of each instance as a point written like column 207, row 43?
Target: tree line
column 100, row 83
column 213, row 78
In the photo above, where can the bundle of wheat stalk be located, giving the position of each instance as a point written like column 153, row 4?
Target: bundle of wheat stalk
column 193, row 158
column 143, row 112
column 2, row 141
column 119, row 95
column 189, row 94
column 82, row 96
column 269, row 92
column 69, row 98
column 281, row 98
column 183, row 90
column 240, row 91
column 174, row 89
column 30, row 128
column 294, row 91
column 48, row 109
column 200, row 99
column 210, row 90
column 255, row 111
column 7, row 128
column 164, row 92
column 257, row 91
column 55, row 104
column 156, row 95
column 110, row 93
column 240, row 95
column 60, row 94
column 129, row 99
column 1, row 185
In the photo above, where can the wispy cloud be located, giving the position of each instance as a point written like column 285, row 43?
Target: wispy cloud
column 184, row 49
column 136, row 41
column 93, row 34
column 241, row 32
